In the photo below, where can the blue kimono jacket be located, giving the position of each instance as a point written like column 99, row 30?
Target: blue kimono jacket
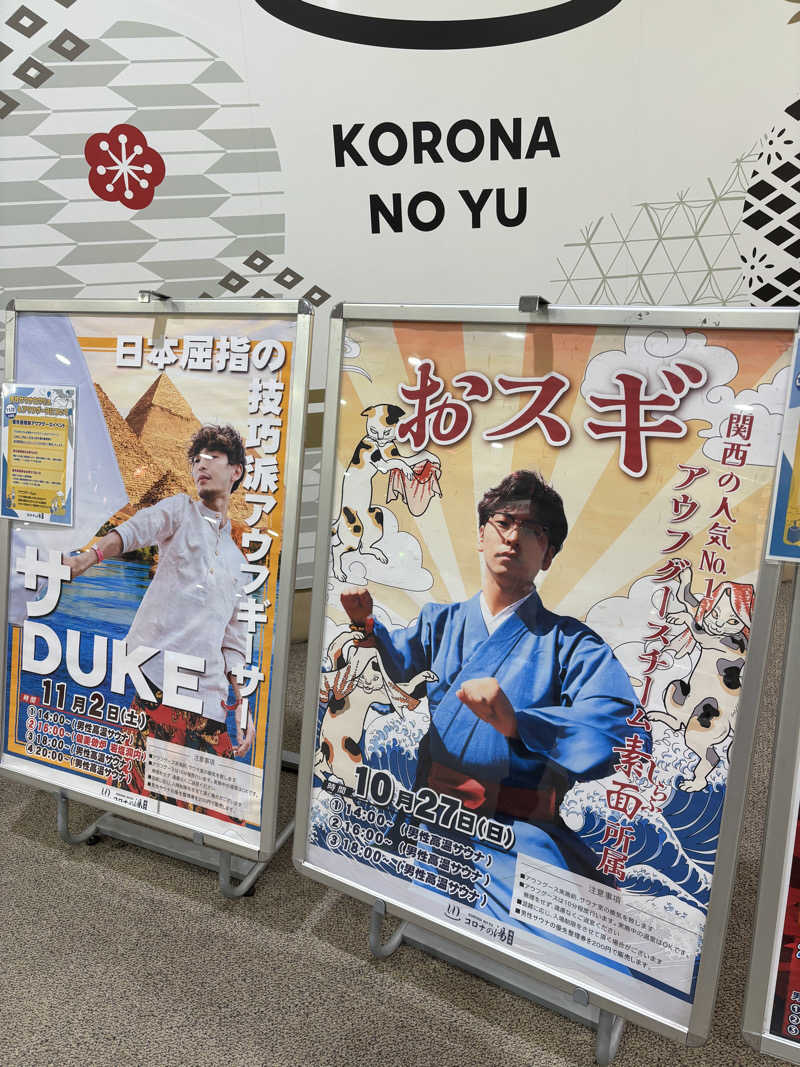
column 571, row 698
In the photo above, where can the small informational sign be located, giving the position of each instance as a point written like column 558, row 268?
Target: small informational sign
column 536, row 615
column 784, row 525
column 38, row 426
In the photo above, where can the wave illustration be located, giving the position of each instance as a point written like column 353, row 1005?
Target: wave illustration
column 387, row 752
column 644, row 880
column 675, row 847
column 672, row 851
column 695, row 820
column 318, row 815
column 389, row 731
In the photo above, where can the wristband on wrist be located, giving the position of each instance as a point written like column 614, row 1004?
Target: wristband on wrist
column 363, row 628
column 98, row 553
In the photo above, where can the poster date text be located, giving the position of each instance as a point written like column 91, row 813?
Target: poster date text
column 436, row 809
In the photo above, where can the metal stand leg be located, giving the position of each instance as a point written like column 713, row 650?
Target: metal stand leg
column 89, row 836
column 575, row 1005
column 378, row 949
column 168, row 844
column 284, row 836
column 243, row 888
column 609, row 1035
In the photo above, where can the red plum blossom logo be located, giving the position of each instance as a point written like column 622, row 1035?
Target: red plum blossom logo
column 123, row 167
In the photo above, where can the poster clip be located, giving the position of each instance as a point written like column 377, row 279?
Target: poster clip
column 533, row 304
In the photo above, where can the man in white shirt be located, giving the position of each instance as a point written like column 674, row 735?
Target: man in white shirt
column 192, row 603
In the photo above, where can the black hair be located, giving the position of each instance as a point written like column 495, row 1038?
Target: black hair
column 528, row 487
column 223, row 439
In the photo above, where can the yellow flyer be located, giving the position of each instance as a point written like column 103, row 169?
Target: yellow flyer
column 38, row 433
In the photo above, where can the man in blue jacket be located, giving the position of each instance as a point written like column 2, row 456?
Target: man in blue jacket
column 527, row 702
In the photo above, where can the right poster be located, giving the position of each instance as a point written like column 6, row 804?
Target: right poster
column 785, row 1020
column 541, row 575
column 771, row 1017
column 784, row 527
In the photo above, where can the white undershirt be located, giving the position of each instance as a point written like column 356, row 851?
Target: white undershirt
column 493, row 621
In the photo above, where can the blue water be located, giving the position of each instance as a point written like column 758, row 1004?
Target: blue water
column 694, row 819
column 666, row 867
column 102, row 601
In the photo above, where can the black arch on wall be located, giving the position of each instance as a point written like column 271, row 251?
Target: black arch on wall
column 443, row 34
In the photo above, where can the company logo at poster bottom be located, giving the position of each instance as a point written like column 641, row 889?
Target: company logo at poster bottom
column 536, row 21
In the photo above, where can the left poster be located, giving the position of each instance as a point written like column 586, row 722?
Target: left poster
column 146, row 642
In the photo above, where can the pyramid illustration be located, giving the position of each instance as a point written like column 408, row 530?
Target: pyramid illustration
column 162, row 417
column 163, row 423
column 140, row 472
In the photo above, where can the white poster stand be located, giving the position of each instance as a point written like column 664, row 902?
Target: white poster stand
column 418, row 807
column 145, row 674
column 771, row 1021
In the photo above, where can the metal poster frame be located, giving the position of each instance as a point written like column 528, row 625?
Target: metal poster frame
column 776, row 857
column 468, row 950
column 778, row 547
column 207, row 848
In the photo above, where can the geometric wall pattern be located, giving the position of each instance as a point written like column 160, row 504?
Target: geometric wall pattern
column 216, row 225
column 686, row 250
column 771, row 220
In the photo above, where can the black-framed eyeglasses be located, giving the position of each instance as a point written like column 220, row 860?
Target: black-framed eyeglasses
column 506, row 523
